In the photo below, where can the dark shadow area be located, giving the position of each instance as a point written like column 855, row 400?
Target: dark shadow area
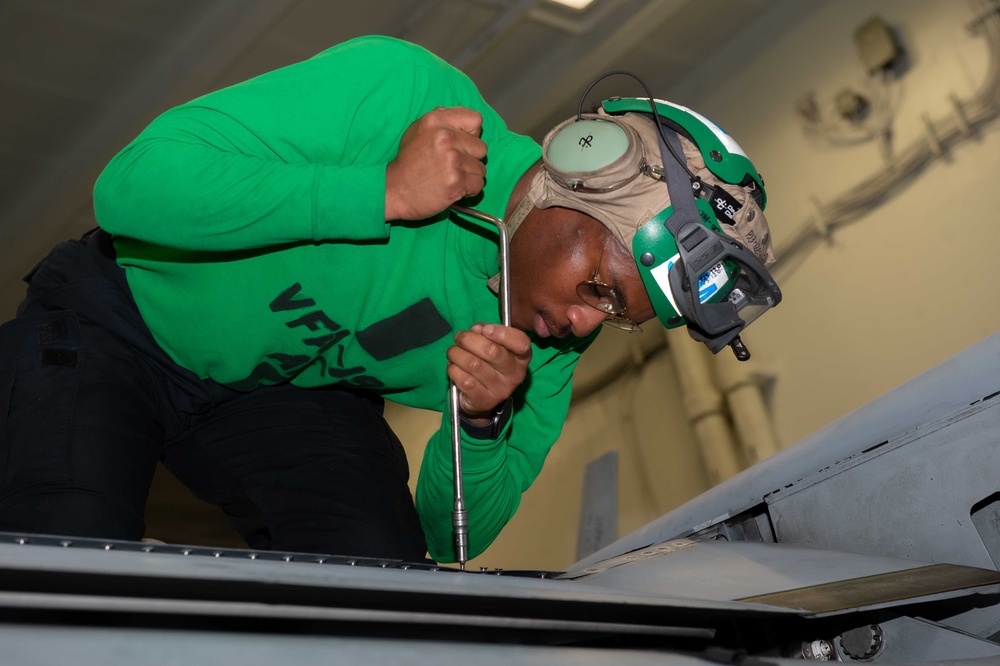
column 174, row 515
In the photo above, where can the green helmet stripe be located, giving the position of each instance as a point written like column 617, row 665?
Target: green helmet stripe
column 728, row 165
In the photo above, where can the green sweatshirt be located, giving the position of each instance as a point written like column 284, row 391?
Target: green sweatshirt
column 250, row 225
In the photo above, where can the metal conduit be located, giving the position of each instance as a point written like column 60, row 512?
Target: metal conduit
column 942, row 134
column 705, row 408
column 728, row 413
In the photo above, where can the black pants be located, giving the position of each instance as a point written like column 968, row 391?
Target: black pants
column 89, row 403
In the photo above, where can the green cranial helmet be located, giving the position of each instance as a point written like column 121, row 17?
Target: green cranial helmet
column 683, row 196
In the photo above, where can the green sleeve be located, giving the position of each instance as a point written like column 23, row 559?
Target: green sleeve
column 496, row 472
column 192, row 196
column 295, row 155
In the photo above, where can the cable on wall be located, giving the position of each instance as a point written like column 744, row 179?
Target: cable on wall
column 966, row 118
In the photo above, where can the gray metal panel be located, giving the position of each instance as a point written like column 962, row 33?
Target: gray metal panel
column 251, row 610
column 387, row 583
column 44, row 645
column 727, row 570
column 911, row 640
column 599, row 507
column 816, row 581
column 944, row 389
column 910, row 498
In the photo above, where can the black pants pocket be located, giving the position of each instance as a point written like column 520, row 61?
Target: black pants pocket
column 40, row 357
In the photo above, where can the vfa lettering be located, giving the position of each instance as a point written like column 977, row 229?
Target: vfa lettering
column 321, row 335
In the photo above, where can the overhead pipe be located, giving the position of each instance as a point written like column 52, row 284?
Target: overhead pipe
column 747, row 409
column 705, row 408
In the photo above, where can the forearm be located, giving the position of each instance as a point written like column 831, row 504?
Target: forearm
column 497, row 472
column 492, row 492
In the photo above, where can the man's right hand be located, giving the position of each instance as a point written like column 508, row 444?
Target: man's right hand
column 439, row 162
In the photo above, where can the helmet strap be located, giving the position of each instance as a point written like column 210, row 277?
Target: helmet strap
column 678, row 182
column 700, row 249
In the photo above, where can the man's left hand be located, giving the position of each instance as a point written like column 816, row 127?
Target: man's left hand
column 487, row 363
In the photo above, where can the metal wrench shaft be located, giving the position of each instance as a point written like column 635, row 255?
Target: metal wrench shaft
column 459, row 514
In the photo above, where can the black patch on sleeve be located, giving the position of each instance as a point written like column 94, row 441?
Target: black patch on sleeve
column 52, row 332
column 61, row 357
column 416, row 326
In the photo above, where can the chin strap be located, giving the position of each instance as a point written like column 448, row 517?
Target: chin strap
column 516, row 218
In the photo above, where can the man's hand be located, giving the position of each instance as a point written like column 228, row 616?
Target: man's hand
column 439, row 162
column 487, row 363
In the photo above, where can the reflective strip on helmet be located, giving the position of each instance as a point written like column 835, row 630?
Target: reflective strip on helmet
column 723, row 136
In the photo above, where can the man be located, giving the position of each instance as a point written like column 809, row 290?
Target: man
column 283, row 259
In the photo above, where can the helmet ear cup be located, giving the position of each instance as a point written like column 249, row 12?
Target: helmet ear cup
column 586, row 145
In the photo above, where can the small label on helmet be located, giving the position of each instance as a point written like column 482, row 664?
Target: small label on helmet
column 710, row 282
column 725, row 206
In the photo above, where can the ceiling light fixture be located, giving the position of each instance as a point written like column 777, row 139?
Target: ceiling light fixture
column 574, row 4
